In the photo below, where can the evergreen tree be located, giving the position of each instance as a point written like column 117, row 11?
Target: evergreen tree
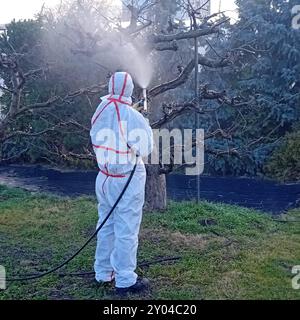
column 266, row 74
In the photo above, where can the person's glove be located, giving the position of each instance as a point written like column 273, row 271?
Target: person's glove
column 139, row 106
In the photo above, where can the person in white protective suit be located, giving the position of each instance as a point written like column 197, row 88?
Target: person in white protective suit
column 119, row 133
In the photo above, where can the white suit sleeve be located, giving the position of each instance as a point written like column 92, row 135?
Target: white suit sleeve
column 140, row 135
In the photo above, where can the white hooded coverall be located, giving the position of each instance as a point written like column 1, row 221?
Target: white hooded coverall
column 118, row 133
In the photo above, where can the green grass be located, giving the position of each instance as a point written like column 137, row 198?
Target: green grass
column 227, row 252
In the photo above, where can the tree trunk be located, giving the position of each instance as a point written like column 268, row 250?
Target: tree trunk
column 156, row 189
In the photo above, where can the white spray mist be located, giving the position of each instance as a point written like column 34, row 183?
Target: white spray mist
column 137, row 63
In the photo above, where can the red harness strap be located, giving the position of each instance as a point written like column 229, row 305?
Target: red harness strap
column 124, row 85
column 111, row 175
column 120, row 101
column 111, row 149
column 98, row 115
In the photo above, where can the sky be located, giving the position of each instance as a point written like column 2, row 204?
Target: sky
column 21, row 9
column 24, row 9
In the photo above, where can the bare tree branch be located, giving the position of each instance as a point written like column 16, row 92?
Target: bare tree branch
column 175, row 110
column 50, row 129
column 184, row 76
column 183, row 35
column 169, row 46
column 15, row 156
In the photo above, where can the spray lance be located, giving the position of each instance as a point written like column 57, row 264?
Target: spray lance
column 142, row 105
column 145, row 100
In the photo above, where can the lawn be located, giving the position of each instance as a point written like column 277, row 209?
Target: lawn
column 226, row 252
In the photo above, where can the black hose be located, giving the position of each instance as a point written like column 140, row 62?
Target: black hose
column 40, row 275
column 140, row 265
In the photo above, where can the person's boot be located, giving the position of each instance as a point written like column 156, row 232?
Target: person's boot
column 141, row 285
column 103, row 283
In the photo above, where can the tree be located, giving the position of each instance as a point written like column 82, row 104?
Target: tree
column 39, row 118
column 266, row 73
column 75, row 40
column 285, row 162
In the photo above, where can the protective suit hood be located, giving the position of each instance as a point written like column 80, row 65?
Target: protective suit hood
column 120, row 87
